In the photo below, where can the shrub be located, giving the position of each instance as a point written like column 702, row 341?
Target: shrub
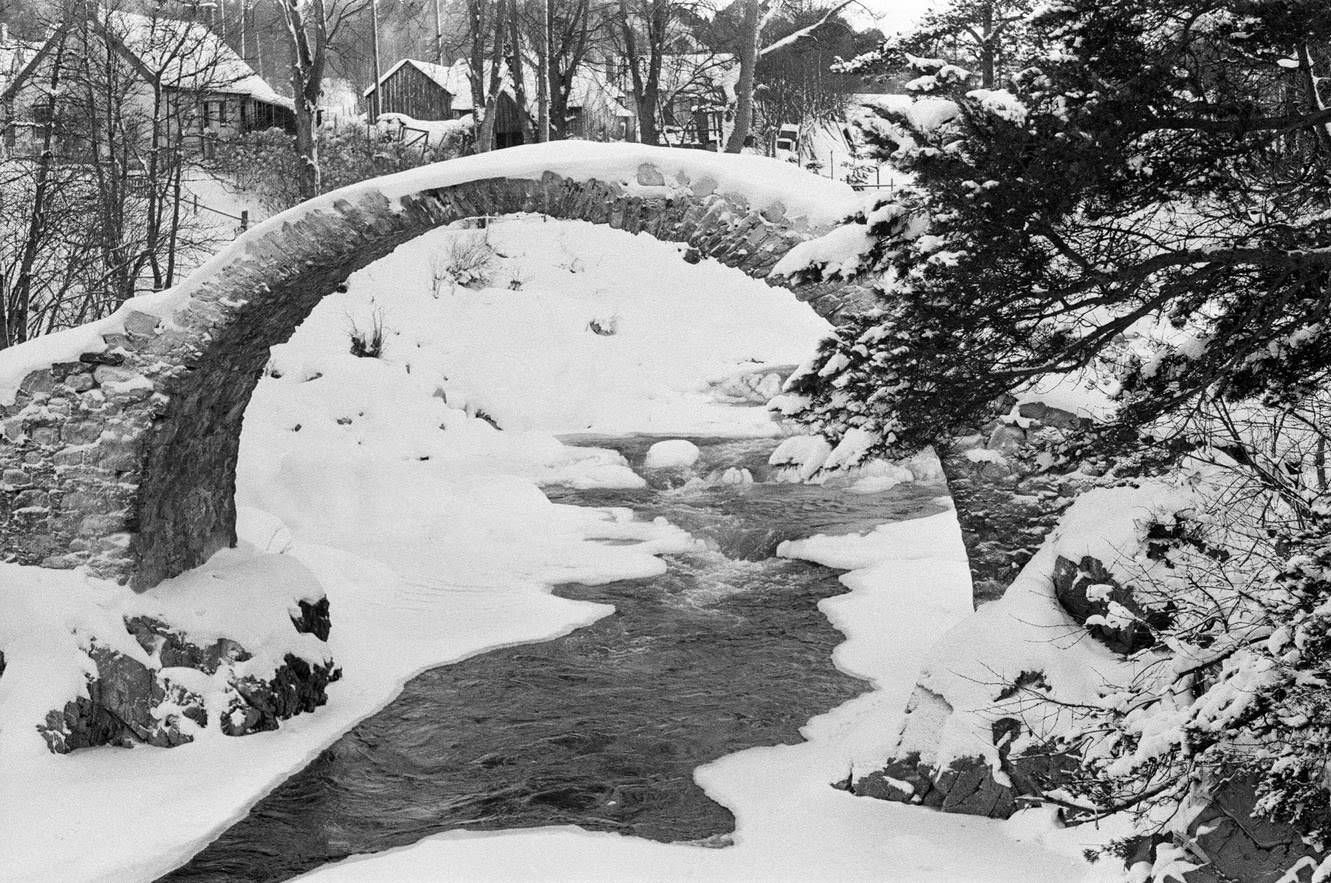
column 368, row 343
column 265, row 165
column 469, row 263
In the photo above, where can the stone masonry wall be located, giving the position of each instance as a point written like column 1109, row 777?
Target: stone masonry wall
column 124, row 460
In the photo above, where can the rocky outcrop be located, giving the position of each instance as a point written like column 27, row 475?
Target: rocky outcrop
column 1088, row 592
column 158, row 700
column 1240, row 846
column 968, row 784
column 313, row 618
column 1010, row 486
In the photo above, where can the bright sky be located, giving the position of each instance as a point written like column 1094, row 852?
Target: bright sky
column 889, row 16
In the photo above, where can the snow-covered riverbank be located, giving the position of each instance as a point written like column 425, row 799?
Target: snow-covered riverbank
column 425, row 526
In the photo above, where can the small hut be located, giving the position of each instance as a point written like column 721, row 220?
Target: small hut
column 418, row 89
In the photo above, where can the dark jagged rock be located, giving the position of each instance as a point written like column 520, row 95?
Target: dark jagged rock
column 129, row 703
column 175, row 650
column 313, row 619
column 119, row 708
column 259, row 705
column 1241, row 846
column 1072, row 582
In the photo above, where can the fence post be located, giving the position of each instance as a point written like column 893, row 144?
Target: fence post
column 196, row 203
column 244, row 220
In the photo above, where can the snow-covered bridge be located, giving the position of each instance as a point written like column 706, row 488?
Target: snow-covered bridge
column 119, row 438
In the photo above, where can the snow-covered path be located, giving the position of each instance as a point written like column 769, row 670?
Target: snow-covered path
column 428, row 531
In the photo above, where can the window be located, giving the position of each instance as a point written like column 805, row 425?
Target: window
column 214, row 113
column 41, row 114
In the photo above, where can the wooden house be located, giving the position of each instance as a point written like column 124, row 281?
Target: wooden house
column 421, row 90
column 175, row 76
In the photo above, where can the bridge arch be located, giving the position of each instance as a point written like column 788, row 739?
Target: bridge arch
column 118, row 440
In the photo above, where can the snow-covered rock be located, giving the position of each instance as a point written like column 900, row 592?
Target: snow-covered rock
column 673, row 453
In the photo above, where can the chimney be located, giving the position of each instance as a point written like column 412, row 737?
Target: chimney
column 4, row 33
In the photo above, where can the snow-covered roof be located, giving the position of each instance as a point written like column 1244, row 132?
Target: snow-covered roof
column 188, row 55
column 591, row 87
column 452, row 78
column 14, row 54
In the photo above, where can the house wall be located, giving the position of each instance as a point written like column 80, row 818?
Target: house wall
column 410, row 92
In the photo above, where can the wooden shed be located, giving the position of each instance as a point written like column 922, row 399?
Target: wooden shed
column 418, row 89
column 507, row 121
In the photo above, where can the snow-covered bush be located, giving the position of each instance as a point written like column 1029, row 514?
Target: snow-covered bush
column 265, row 166
column 1237, row 605
column 367, row 342
column 469, row 263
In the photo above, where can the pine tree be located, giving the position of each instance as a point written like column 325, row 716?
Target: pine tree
column 1153, row 161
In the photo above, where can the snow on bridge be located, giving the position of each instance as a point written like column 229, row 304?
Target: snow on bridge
column 118, row 439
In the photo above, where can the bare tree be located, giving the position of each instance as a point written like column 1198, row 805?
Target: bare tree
column 312, row 28
column 92, row 192
column 750, row 28
column 644, row 26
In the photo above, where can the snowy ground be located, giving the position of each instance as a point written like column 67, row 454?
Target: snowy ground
column 427, row 529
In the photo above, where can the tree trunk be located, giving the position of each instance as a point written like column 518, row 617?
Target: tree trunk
column 543, row 76
column 476, row 70
column 16, row 318
column 307, row 38
column 307, row 143
column 748, row 60
column 515, row 69
column 988, row 48
column 646, row 89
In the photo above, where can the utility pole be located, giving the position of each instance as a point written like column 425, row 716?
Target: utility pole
column 376, row 106
column 543, row 76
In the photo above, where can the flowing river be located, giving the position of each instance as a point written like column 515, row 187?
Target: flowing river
column 602, row 728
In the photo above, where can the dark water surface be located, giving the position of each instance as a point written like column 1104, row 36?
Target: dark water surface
column 602, row 728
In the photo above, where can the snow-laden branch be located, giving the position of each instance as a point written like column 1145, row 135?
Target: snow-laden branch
column 805, row 32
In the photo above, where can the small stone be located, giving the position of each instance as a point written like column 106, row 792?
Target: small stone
column 650, row 176
column 31, row 498
column 1006, row 439
column 38, row 382
column 79, row 382
column 109, row 374
column 82, row 433
column 704, row 186
column 104, row 358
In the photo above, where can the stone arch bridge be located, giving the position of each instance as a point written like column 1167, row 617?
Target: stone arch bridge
column 118, row 440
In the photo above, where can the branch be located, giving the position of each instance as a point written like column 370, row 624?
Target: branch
column 802, row 33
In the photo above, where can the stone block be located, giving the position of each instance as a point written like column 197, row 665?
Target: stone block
column 650, row 176
column 79, row 382
column 39, row 382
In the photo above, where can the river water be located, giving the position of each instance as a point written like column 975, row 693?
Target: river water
column 604, row 727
